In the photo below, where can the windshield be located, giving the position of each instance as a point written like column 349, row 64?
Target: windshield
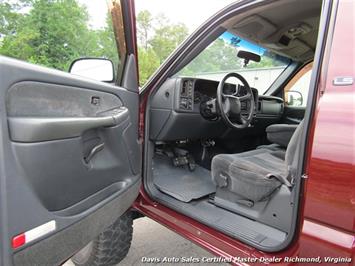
column 220, row 58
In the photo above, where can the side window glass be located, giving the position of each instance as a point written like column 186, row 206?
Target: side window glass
column 296, row 91
column 55, row 33
column 163, row 25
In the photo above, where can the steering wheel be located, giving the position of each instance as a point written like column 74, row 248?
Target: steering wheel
column 229, row 105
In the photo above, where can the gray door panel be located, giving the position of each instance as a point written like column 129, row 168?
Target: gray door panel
column 69, row 153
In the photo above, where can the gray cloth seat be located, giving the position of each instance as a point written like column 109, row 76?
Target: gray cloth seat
column 274, row 149
column 279, row 135
column 254, row 175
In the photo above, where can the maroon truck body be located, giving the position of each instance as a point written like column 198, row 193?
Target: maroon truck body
column 327, row 218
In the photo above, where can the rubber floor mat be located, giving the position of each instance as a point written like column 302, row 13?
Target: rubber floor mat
column 180, row 182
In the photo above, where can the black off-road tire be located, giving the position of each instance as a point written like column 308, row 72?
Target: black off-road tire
column 110, row 247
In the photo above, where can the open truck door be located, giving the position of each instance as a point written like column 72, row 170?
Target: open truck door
column 70, row 158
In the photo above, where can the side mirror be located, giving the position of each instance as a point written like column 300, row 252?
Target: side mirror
column 294, row 98
column 100, row 69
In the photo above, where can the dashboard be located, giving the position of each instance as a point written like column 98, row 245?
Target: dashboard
column 197, row 91
column 177, row 109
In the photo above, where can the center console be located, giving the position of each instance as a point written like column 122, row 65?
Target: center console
column 186, row 95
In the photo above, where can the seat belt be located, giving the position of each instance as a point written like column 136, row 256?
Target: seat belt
column 291, row 169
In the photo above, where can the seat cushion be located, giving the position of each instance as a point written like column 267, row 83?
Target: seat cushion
column 247, row 174
column 275, row 150
column 254, row 175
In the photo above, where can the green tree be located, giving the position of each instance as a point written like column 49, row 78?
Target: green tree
column 167, row 38
column 219, row 56
column 105, row 42
column 144, row 26
column 148, row 63
column 9, row 17
column 53, row 34
column 269, row 59
column 158, row 37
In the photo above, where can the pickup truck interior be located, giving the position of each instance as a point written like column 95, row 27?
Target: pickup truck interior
column 223, row 147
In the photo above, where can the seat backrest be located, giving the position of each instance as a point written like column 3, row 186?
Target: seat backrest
column 280, row 134
column 293, row 148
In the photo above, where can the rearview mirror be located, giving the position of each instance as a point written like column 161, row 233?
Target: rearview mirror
column 294, row 98
column 100, row 69
column 248, row 56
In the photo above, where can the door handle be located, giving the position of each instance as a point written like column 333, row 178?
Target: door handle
column 35, row 129
column 93, row 152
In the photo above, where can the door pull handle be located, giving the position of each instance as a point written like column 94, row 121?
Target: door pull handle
column 93, row 152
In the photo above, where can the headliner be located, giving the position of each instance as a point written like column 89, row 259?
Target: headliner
column 288, row 28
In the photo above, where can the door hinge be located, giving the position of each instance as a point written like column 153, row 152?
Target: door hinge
column 304, row 176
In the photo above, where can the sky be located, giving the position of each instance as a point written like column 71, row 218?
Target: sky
column 190, row 12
